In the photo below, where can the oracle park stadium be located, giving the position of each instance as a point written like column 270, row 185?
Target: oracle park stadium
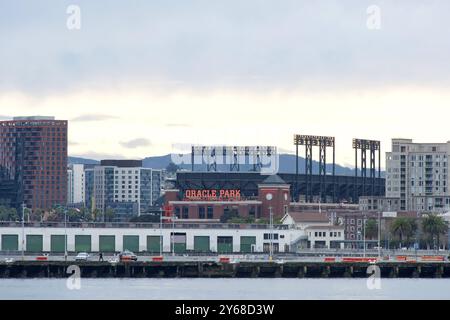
column 307, row 183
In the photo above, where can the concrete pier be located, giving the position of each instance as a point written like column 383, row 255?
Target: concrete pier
column 207, row 269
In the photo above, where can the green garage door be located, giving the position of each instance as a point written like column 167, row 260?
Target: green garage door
column 153, row 244
column 107, row 243
column 178, row 242
column 57, row 243
column 224, row 244
column 179, row 247
column 131, row 243
column 34, row 243
column 247, row 243
column 10, row 242
column 201, row 244
column 82, row 243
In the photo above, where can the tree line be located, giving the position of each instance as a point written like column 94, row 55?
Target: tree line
column 57, row 214
column 405, row 231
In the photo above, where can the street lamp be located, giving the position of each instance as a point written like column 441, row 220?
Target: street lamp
column 160, row 231
column 379, row 234
column 23, row 231
column 173, row 234
column 271, row 233
column 269, row 197
column 65, row 234
column 364, row 236
column 65, row 229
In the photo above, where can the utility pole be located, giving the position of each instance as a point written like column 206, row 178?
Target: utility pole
column 271, row 234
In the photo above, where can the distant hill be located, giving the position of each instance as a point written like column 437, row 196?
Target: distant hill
column 287, row 165
column 76, row 160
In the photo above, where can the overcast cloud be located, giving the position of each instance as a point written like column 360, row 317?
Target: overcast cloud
column 252, row 44
column 143, row 75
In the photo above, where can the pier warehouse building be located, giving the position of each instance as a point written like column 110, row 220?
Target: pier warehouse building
column 179, row 237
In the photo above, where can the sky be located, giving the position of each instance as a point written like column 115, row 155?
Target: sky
column 138, row 77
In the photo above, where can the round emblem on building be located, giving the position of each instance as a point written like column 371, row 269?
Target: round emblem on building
column 269, row 196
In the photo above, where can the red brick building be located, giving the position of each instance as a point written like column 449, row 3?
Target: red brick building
column 273, row 194
column 33, row 154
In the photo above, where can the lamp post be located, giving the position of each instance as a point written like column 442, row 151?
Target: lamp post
column 269, row 198
column 23, row 231
column 160, row 232
column 65, row 234
column 364, row 235
column 271, row 234
column 173, row 234
column 379, row 234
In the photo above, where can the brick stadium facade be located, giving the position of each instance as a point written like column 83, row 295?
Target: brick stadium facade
column 273, row 194
column 33, row 160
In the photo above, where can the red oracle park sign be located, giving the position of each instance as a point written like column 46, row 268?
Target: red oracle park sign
column 213, row 195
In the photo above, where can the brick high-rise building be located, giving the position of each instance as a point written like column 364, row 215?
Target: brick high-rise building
column 33, row 154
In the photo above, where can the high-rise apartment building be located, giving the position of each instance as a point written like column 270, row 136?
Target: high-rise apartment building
column 88, row 186
column 33, row 154
column 121, row 182
column 417, row 174
column 76, row 184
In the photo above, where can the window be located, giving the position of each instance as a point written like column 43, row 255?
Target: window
column 201, row 213
column 185, row 212
column 209, row 212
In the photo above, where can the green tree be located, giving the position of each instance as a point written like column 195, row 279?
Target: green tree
column 404, row 227
column 86, row 214
column 172, row 167
column 109, row 214
column 371, row 229
column 434, row 226
column 37, row 215
column 52, row 216
column 75, row 215
column 57, row 213
column 8, row 214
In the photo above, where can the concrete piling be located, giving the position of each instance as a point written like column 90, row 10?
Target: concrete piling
column 54, row 269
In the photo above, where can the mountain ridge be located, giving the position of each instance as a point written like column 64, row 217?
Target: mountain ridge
column 286, row 164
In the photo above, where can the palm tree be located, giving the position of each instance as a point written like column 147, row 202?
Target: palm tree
column 404, row 228
column 435, row 226
column 95, row 214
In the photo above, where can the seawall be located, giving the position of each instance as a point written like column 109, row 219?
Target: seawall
column 200, row 269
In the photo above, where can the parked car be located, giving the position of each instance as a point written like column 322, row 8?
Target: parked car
column 127, row 255
column 82, row 256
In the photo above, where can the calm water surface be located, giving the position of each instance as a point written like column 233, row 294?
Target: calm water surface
column 224, row 289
